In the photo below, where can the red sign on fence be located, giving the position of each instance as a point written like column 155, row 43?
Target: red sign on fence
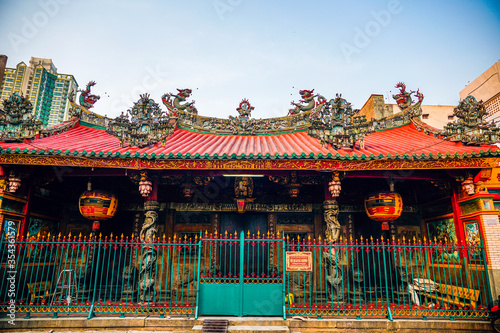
column 298, row 261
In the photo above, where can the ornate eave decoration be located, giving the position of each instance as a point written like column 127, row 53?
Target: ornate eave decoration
column 405, row 102
column 250, row 207
column 148, row 125
column 293, row 182
column 487, row 160
column 471, row 126
column 17, row 121
column 336, row 123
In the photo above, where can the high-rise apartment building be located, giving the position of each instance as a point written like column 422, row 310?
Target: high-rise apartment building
column 46, row 89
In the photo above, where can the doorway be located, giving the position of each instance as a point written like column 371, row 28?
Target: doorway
column 245, row 270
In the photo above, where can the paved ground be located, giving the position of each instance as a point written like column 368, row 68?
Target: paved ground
column 239, row 325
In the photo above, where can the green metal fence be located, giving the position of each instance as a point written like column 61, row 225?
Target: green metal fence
column 361, row 278
column 389, row 278
column 100, row 275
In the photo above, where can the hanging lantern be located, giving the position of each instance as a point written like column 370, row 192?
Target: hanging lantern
column 384, row 207
column 97, row 206
column 14, row 182
column 294, row 190
column 468, row 186
column 241, row 205
column 145, row 185
column 335, row 186
column 188, row 190
column 243, row 190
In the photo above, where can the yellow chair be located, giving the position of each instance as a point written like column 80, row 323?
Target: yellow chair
column 39, row 290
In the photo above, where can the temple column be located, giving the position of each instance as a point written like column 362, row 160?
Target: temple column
column 479, row 221
column 331, row 212
column 331, row 209
column 332, row 234
column 147, row 236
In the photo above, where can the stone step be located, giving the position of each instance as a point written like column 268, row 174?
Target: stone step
column 249, row 329
column 215, row 326
column 248, row 320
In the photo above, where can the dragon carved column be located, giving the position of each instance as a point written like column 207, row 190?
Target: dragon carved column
column 332, row 235
column 147, row 272
column 331, row 212
column 331, row 208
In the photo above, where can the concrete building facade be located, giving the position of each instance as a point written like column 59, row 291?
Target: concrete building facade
column 434, row 115
column 46, row 89
column 486, row 87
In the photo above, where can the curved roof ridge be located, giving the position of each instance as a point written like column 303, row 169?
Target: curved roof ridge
column 407, row 139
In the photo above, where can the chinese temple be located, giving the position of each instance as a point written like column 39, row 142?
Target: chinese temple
column 323, row 176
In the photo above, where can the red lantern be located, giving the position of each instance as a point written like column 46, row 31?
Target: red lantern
column 384, row 207
column 97, row 206
column 241, row 205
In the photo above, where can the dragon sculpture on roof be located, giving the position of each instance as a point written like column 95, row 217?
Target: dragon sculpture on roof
column 308, row 99
column 404, row 100
column 173, row 102
column 87, row 100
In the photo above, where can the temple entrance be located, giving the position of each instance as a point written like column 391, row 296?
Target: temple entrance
column 242, row 274
column 253, row 226
column 247, row 222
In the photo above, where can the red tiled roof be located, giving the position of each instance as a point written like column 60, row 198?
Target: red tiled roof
column 405, row 141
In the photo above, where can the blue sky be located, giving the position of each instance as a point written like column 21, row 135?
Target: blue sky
column 266, row 51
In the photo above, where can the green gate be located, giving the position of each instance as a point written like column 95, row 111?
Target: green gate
column 241, row 276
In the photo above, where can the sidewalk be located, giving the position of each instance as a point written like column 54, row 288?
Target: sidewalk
column 238, row 324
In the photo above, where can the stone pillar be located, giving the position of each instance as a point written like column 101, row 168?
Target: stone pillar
column 331, row 212
column 332, row 234
column 147, row 274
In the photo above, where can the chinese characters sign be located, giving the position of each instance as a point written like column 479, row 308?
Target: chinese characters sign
column 298, row 261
